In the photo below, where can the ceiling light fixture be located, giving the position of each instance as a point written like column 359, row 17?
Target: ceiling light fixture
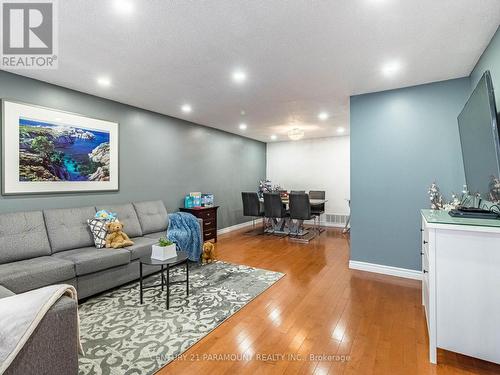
column 274, row 137
column 125, row 7
column 104, row 81
column 391, row 68
column 243, row 126
column 239, row 76
column 323, row 116
column 295, row 134
column 186, row 108
column 340, row 130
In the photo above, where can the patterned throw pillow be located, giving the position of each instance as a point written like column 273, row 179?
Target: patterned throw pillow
column 99, row 231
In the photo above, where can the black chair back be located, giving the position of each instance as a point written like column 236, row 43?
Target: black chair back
column 273, row 207
column 251, row 204
column 318, row 194
column 298, row 192
column 300, row 207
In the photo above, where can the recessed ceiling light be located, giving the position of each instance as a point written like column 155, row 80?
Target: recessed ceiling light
column 274, row 137
column 323, row 116
column 186, row 108
column 104, row 81
column 243, row 126
column 391, row 68
column 340, row 130
column 242, row 112
column 125, row 7
column 239, row 76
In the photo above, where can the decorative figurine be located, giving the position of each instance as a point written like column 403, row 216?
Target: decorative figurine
column 435, row 197
column 495, row 190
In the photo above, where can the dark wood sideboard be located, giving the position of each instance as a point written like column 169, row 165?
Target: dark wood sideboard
column 209, row 216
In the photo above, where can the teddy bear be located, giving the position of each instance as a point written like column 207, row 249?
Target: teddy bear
column 208, row 254
column 116, row 238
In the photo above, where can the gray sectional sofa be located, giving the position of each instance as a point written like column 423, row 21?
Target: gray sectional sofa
column 56, row 246
column 58, row 330
column 40, row 248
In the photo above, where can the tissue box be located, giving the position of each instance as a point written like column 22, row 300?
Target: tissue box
column 163, row 252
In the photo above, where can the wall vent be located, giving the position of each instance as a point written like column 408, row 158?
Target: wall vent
column 336, row 219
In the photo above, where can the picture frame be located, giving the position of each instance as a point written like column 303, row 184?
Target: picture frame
column 46, row 151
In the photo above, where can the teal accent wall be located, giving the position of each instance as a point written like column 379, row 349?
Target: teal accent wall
column 161, row 157
column 401, row 141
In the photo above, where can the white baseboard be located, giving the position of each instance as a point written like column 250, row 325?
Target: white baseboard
column 238, row 226
column 325, row 224
column 386, row 270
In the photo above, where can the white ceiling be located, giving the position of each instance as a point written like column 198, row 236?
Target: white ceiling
column 301, row 57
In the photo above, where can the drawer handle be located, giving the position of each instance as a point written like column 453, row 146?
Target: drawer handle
column 208, row 223
column 425, row 271
column 208, row 234
column 425, row 242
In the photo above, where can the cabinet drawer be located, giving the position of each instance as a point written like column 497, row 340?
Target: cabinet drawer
column 206, row 214
column 209, row 234
column 208, row 223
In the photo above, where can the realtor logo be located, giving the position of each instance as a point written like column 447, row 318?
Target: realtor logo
column 28, row 34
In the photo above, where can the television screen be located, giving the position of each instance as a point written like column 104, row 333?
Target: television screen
column 479, row 137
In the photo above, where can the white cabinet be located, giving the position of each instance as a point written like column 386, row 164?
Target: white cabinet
column 461, row 286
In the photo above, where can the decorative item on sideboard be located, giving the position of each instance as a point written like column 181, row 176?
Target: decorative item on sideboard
column 197, row 199
column 439, row 203
column 495, row 190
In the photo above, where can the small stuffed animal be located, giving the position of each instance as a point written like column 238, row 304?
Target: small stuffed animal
column 208, row 254
column 116, row 238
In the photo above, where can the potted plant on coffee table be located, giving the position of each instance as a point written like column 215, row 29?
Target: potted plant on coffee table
column 165, row 249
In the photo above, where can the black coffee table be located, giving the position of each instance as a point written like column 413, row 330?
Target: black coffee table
column 181, row 258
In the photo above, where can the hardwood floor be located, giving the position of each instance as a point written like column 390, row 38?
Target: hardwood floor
column 368, row 323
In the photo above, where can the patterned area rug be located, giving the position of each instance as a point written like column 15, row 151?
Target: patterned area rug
column 120, row 336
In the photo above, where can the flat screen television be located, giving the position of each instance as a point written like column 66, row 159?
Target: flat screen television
column 479, row 137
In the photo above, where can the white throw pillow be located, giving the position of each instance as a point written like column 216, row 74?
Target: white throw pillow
column 99, row 230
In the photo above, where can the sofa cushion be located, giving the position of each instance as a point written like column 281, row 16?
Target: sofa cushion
column 156, row 235
column 68, row 229
column 22, row 236
column 89, row 259
column 141, row 247
column 35, row 273
column 152, row 216
column 4, row 292
column 127, row 216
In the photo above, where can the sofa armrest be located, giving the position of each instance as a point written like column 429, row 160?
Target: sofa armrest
column 200, row 222
column 53, row 346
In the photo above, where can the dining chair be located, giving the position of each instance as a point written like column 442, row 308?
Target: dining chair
column 276, row 212
column 253, row 208
column 318, row 210
column 300, row 210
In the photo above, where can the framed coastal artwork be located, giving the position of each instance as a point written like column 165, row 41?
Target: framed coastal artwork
column 51, row 151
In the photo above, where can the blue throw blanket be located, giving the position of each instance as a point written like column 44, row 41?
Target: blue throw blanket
column 184, row 231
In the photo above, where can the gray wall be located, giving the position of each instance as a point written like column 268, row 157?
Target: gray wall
column 160, row 157
column 401, row 141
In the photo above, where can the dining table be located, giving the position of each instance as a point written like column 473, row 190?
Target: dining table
column 313, row 202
